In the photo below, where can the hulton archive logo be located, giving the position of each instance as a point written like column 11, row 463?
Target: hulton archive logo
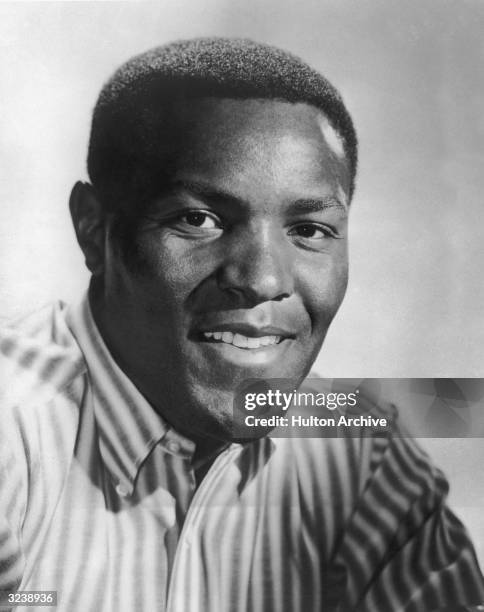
column 316, row 408
column 432, row 407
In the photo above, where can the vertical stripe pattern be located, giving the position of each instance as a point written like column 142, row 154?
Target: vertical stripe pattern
column 99, row 502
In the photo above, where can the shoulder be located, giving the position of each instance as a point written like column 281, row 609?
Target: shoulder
column 39, row 357
column 364, row 451
column 42, row 382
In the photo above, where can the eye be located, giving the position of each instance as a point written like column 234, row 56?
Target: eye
column 200, row 219
column 190, row 222
column 312, row 231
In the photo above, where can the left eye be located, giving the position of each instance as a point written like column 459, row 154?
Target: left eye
column 309, row 230
column 200, row 219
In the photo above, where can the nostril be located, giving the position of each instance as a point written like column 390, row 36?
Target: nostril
column 282, row 296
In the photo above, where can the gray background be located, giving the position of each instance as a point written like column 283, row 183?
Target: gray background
column 412, row 76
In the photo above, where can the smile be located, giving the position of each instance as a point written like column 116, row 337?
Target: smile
column 241, row 341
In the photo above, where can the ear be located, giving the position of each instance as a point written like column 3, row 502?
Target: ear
column 88, row 218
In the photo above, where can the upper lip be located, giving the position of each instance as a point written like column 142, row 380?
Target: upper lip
column 246, row 329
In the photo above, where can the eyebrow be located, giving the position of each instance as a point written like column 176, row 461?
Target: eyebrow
column 206, row 191
column 317, row 205
column 300, row 206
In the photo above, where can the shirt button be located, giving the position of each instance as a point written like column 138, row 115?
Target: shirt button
column 173, row 446
column 121, row 490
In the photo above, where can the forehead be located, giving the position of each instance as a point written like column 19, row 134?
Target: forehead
column 231, row 134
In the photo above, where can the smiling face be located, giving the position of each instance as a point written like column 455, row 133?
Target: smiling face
column 238, row 267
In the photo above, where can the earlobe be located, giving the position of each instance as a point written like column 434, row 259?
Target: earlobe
column 89, row 223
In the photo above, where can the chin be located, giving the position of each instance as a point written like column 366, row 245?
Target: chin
column 220, row 414
column 210, row 413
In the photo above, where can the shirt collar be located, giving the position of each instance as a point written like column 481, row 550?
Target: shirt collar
column 128, row 426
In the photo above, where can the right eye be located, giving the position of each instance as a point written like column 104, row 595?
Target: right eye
column 200, row 219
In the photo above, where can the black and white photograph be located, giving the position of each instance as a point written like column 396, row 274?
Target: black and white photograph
column 241, row 306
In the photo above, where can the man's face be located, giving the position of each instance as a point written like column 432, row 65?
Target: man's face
column 240, row 265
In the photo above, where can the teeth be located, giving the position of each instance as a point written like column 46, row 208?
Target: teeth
column 242, row 341
column 227, row 337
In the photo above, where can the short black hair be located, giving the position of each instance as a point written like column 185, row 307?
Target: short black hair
column 132, row 118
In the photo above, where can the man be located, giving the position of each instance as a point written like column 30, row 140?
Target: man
column 215, row 230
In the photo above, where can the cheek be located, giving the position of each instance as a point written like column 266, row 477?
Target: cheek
column 323, row 289
column 165, row 272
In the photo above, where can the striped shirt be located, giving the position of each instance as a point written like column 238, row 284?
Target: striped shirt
column 99, row 502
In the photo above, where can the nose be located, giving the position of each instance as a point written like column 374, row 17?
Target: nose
column 257, row 267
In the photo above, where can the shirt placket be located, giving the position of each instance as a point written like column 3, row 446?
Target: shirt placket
column 182, row 569
column 165, row 488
